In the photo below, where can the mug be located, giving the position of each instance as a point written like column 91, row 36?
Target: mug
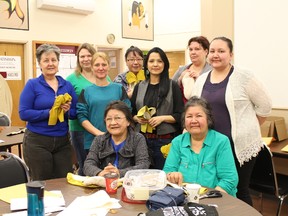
column 35, row 195
column 193, row 191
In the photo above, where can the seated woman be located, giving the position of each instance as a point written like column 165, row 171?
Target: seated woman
column 120, row 149
column 201, row 155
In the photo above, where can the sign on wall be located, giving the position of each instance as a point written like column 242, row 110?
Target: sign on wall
column 10, row 67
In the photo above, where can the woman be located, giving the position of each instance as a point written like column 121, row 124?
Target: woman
column 94, row 99
column 186, row 75
column 240, row 105
column 164, row 95
column 120, row 149
column 201, row 155
column 134, row 61
column 46, row 144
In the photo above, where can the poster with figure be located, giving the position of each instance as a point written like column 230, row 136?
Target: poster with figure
column 137, row 19
column 14, row 14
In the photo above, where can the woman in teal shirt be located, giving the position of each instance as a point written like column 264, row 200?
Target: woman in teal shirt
column 201, row 155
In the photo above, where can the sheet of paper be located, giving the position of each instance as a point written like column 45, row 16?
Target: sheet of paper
column 267, row 140
column 49, row 201
column 285, row 148
column 98, row 204
column 18, row 191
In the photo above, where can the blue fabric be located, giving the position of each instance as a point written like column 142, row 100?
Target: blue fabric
column 213, row 166
column 37, row 99
column 117, row 149
column 92, row 103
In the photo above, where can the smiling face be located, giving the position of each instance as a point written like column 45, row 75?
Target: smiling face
column 196, row 122
column 100, row 68
column 49, row 63
column 85, row 58
column 197, row 53
column 155, row 64
column 220, row 54
column 134, row 62
column 116, row 123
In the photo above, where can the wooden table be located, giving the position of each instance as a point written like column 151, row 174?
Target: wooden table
column 227, row 205
column 10, row 141
column 280, row 158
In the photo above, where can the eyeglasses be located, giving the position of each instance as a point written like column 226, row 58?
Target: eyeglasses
column 116, row 119
column 137, row 60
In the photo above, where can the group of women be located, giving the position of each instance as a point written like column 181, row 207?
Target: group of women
column 224, row 107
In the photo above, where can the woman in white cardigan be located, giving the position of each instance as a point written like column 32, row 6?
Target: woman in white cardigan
column 239, row 104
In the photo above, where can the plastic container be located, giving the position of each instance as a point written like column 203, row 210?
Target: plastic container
column 139, row 184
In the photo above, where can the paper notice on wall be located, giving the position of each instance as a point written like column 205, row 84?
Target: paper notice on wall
column 10, row 67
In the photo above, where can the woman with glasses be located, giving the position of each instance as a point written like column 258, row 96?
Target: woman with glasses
column 94, row 99
column 162, row 94
column 134, row 61
column 120, row 149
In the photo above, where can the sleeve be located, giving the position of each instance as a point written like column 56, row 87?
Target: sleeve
column 141, row 154
column 82, row 108
column 92, row 162
column 125, row 98
column 133, row 100
column 177, row 74
column 225, row 165
column 259, row 97
column 178, row 104
column 27, row 112
column 72, row 111
column 172, row 162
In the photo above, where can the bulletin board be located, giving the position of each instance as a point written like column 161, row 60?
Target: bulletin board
column 68, row 58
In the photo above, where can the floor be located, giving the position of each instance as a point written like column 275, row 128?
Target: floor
column 270, row 204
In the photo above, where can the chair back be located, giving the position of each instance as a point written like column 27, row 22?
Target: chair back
column 264, row 177
column 4, row 119
column 13, row 170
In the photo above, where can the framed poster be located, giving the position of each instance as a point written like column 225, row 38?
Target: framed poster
column 14, row 14
column 138, row 19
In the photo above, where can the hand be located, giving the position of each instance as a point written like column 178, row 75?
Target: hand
column 193, row 74
column 140, row 120
column 155, row 121
column 109, row 169
column 66, row 106
column 175, row 177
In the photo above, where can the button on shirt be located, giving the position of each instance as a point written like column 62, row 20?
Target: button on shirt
column 213, row 166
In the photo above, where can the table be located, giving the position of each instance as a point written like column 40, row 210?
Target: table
column 276, row 147
column 11, row 140
column 227, row 205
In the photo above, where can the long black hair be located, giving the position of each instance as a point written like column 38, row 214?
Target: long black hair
column 164, row 83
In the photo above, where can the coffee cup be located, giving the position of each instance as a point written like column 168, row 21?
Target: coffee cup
column 111, row 181
column 193, row 191
column 35, row 195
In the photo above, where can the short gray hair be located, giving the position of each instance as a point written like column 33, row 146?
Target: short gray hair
column 46, row 48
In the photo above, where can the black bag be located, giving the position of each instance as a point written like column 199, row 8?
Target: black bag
column 168, row 196
column 189, row 209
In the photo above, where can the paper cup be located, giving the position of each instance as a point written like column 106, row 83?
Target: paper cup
column 193, row 191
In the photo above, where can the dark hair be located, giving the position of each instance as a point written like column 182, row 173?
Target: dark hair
column 227, row 40
column 123, row 107
column 164, row 76
column 203, row 41
column 90, row 49
column 199, row 101
column 46, row 48
column 134, row 50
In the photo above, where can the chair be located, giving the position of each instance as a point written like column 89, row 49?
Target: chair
column 4, row 119
column 264, row 178
column 13, row 170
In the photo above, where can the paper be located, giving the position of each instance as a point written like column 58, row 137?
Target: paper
column 267, row 140
column 285, row 148
column 98, row 204
column 1, row 141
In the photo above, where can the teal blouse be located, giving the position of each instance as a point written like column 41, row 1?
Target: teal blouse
column 213, row 166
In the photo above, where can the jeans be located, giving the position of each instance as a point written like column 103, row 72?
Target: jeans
column 77, row 139
column 154, row 146
column 47, row 157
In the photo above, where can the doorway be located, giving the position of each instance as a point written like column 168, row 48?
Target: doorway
column 16, row 86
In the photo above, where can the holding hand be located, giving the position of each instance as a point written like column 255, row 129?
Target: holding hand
column 175, row 177
column 109, row 169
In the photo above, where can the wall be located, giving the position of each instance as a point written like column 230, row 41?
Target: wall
column 171, row 31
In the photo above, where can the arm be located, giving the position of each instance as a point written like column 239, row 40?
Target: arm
column 225, row 168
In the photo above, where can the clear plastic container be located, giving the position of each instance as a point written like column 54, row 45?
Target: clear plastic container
column 139, row 184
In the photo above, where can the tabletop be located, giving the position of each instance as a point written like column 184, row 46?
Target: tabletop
column 275, row 148
column 11, row 140
column 227, row 205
